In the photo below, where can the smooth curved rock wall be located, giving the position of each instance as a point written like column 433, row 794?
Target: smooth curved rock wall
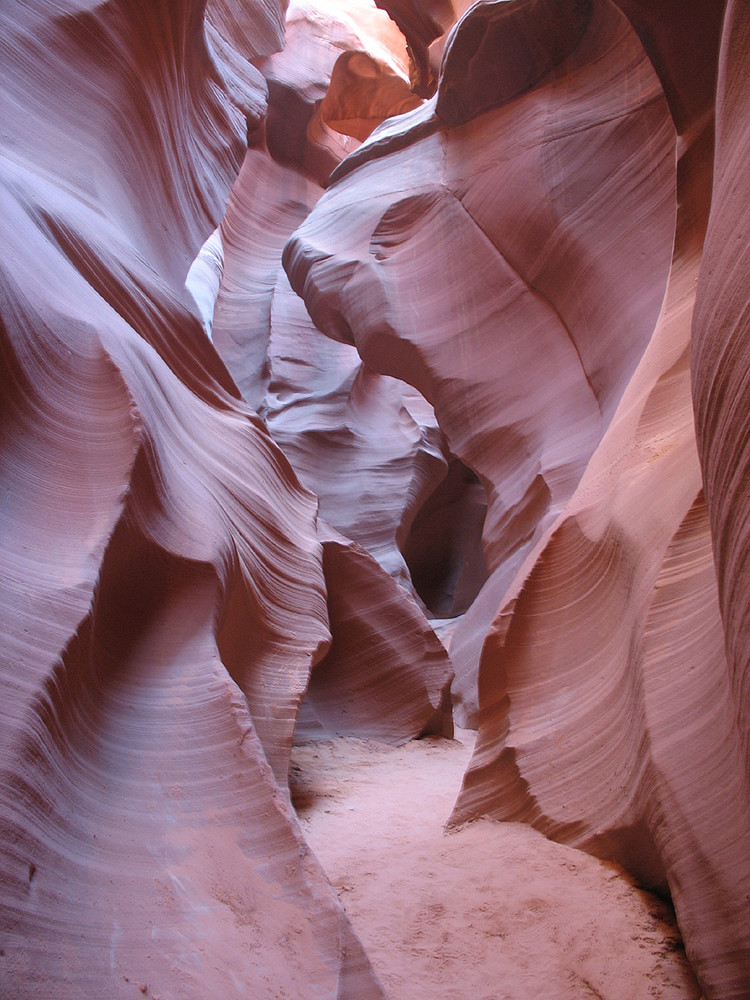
column 542, row 303
column 164, row 598
column 609, row 715
column 523, row 249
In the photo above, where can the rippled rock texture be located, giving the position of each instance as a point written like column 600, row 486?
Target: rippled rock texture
column 526, row 353
column 533, row 274
column 233, row 491
column 164, row 594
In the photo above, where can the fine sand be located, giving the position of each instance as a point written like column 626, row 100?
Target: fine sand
column 493, row 911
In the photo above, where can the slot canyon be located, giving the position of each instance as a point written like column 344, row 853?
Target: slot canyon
column 375, row 500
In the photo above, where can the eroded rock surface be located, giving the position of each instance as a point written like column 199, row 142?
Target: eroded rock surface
column 602, row 596
column 538, row 295
column 367, row 445
column 485, row 327
column 163, row 595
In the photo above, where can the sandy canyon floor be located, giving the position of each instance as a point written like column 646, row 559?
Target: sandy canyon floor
column 492, row 911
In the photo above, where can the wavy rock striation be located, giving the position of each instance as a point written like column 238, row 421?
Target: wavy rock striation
column 502, row 281
column 542, row 285
column 602, row 736
column 721, row 362
column 367, row 445
column 164, row 598
column 557, row 357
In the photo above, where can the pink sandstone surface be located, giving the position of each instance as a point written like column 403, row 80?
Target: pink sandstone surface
column 164, row 597
column 592, row 688
column 272, row 361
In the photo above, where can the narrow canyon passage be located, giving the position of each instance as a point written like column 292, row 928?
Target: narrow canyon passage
column 492, row 911
column 366, row 367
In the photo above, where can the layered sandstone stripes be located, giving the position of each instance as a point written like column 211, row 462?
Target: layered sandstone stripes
column 227, row 508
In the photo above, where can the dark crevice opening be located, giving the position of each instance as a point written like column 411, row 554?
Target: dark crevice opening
column 443, row 549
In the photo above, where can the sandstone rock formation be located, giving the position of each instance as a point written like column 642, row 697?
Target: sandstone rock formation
column 366, row 444
column 383, row 654
column 231, row 495
column 164, row 598
column 720, row 368
column 541, row 295
column 605, row 647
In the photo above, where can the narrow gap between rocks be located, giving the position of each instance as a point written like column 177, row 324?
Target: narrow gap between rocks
column 443, row 549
